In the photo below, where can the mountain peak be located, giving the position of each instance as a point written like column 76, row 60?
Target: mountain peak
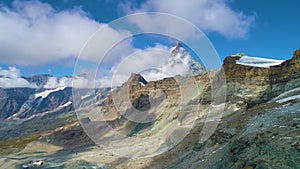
column 176, row 48
column 296, row 54
column 180, row 56
column 136, row 78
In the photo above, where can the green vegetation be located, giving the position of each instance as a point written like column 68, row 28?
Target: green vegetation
column 17, row 143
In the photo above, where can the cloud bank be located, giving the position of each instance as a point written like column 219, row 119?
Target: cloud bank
column 34, row 33
column 153, row 63
column 11, row 78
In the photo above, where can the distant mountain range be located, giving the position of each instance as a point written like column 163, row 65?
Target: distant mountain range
column 27, row 102
column 39, row 80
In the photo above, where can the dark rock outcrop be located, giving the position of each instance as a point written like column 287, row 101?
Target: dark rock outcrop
column 11, row 100
column 39, row 80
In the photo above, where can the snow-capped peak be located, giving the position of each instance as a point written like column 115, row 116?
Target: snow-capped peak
column 258, row 62
column 177, row 48
column 179, row 56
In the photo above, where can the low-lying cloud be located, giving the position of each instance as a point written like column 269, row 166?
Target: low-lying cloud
column 11, row 78
column 152, row 63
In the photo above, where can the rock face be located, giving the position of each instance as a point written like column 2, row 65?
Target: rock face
column 36, row 105
column 11, row 100
column 137, row 93
column 136, row 78
column 157, row 110
column 130, row 105
column 39, row 80
column 25, row 102
column 253, row 85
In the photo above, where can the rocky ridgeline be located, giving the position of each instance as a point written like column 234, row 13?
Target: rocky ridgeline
column 137, row 94
column 246, row 86
column 252, row 134
column 249, row 85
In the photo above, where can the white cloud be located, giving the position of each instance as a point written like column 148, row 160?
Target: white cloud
column 165, row 24
column 55, row 82
column 152, row 58
column 103, row 41
column 76, row 82
column 208, row 15
column 34, row 33
column 152, row 63
column 12, row 72
column 11, row 78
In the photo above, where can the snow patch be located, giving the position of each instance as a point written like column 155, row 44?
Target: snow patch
column 45, row 93
column 142, row 83
column 258, row 62
column 285, row 94
column 85, row 96
column 288, row 99
column 64, row 105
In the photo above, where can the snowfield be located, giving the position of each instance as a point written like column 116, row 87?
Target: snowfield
column 258, row 62
column 45, row 93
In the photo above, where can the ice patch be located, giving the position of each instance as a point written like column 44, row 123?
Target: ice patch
column 142, row 83
column 64, row 105
column 258, row 62
column 85, row 96
column 45, row 93
column 288, row 99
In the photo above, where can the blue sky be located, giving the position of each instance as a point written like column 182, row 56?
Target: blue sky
column 267, row 29
column 274, row 34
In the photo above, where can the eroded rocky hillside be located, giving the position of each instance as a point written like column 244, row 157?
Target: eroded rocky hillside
column 166, row 121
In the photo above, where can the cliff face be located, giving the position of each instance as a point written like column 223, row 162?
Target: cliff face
column 246, row 87
column 11, row 100
column 250, row 85
column 287, row 71
column 157, row 110
column 246, row 128
column 138, row 94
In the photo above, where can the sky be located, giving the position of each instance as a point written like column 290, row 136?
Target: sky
column 46, row 37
